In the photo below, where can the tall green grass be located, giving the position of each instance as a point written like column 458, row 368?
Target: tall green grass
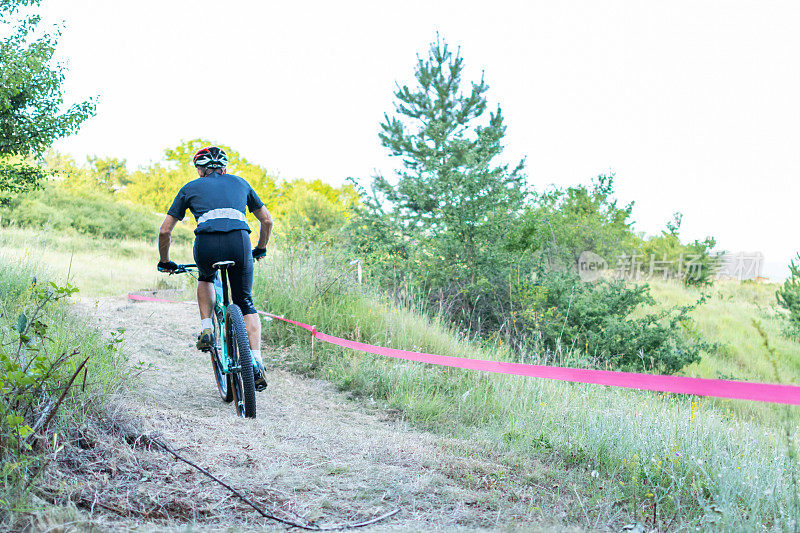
column 694, row 460
column 66, row 330
column 36, row 366
column 727, row 319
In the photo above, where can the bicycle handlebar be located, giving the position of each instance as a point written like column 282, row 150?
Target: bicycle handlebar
column 185, row 268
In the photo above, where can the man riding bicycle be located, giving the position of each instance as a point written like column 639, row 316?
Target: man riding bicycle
column 218, row 202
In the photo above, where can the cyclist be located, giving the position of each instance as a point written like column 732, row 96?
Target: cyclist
column 218, row 202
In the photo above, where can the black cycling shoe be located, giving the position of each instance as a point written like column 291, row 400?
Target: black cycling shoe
column 205, row 341
column 259, row 377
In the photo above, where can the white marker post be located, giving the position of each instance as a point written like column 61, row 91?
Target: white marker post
column 358, row 263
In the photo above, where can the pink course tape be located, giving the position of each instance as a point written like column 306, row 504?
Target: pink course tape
column 149, row 299
column 719, row 388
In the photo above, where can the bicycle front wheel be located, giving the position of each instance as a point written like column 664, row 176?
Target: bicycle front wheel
column 222, row 380
column 244, row 389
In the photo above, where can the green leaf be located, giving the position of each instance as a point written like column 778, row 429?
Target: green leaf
column 14, row 420
column 22, row 322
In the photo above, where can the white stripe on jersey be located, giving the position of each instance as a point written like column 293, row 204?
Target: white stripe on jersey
column 225, row 212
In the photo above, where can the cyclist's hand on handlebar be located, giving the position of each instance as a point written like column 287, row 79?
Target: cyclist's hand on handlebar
column 259, row 253
column 167, row 266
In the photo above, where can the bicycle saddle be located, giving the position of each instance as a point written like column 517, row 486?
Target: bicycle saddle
column 223, row 264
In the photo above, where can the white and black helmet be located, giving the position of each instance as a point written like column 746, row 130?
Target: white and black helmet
column 211, row 157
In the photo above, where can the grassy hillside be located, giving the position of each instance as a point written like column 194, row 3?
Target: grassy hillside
column 102, row 245
column 97, row 266
column 86, row 212
column 727, row 319
column 694, row 459
column 709, row 463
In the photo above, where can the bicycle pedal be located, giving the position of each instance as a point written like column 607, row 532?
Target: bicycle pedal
column 205, row 341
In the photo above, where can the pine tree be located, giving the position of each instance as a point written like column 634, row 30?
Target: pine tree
column 450, row 196
column 789, row 296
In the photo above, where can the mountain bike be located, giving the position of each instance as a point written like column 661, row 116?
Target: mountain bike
column 231, row 360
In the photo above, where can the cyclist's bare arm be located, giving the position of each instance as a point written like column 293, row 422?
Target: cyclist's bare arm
column 165, row 236
column 265, row 218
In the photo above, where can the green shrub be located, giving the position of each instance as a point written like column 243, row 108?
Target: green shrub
column 307, row 216
column 560, row 312
column 694, row 264
column 567, row 222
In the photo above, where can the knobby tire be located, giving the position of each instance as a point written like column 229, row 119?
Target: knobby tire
column 244, row 389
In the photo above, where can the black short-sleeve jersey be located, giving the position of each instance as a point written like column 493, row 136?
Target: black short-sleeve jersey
column 218, row 203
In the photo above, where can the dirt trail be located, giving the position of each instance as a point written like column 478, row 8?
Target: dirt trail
column 310, row 453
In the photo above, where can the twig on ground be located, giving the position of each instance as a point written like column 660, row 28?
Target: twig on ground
column 95, row 502
column 47, row 416
column 310, row 527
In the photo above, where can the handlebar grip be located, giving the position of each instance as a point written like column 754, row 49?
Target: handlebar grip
column 179, row 269
column 184, row 268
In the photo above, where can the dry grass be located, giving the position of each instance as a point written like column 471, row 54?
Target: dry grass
column 98, row 267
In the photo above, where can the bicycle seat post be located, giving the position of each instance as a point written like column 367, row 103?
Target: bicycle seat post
column 223, row 269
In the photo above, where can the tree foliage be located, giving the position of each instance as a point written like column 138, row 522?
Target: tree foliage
column 458, row 228
column 31, row 98
column 313, row 212
column 567, row 222
column 694, row 263
column 111, row 171
column 789, row 296
column 156, row 185
column 451, row 195
column 124, row 202
column 439, row 224
column 77, row 177
column 17, row 175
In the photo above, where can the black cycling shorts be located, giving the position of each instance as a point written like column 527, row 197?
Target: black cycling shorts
column 210, row 248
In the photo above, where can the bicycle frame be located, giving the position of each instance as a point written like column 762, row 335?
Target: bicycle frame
column 220, row 307
column 234, row 381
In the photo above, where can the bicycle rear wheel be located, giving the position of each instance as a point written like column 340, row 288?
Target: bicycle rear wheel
column 243, row 385
column 222, row 380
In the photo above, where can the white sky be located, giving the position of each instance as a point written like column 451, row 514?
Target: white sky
column 695, row 105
